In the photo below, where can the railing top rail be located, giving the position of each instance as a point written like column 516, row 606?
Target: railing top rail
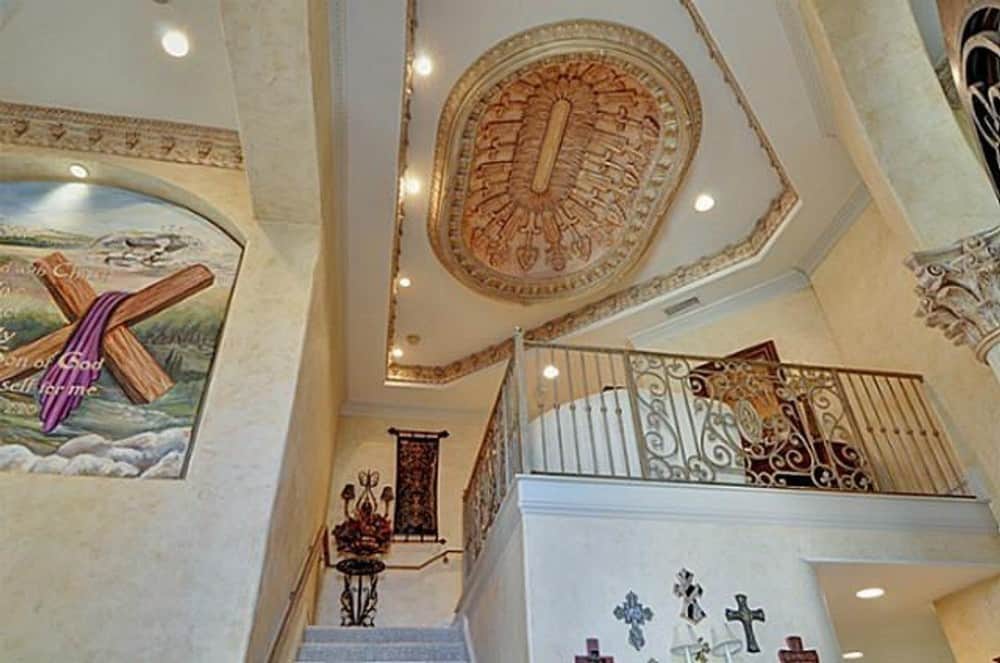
column 708, row 358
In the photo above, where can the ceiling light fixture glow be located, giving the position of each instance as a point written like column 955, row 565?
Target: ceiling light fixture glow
column 422, row 65
column 175, row 43
column 704, row 202
column 78, row 170
column 870, row 593
column 550, row 372
column 853, row 655
column 397, row 353
column 405, row 282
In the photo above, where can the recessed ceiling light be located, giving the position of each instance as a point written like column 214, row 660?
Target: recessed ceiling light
column 411, row 184
column 422, row 65
column 853, row 655
column 550, row 372
column 175, row 43
column 704, row 202
column 405, row 282
column 78, row 170
column 397, row 353
column 870, row 593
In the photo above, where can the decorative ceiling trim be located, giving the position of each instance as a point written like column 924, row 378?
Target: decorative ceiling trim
column 558, row 153
column 60, row 128
column 764, row 230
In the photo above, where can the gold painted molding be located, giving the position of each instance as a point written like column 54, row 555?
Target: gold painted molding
column 763, row 231
column 629, row 130
column 59, row 128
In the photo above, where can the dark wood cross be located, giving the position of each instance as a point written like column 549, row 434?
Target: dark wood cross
column 140, row 376
column 744, row 615
column 795, row 653
column 593, row 654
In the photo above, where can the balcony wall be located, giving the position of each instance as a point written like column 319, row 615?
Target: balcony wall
column 587, row 542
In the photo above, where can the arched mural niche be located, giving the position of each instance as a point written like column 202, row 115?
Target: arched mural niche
column 112, row 304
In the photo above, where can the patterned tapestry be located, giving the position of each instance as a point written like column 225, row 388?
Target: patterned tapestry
column 417, row 454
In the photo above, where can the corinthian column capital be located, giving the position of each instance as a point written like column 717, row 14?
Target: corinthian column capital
column 959, row 289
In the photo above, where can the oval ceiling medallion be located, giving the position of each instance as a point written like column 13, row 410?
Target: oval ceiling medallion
column 558, row 153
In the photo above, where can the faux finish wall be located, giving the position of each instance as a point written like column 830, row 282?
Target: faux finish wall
column 407, row 598
column 98, row 570
column 971, row 621
column 867, row 295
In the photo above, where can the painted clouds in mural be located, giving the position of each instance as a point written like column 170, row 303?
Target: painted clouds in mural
column 111, row 307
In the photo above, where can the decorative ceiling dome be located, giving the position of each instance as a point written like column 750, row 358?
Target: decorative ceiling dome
column 558, row 154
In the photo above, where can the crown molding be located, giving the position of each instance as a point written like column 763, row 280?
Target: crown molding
column 752, row 247
column 791, row 281
column 853, row 207
column 64, row 129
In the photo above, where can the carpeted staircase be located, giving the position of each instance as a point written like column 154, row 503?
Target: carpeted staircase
column 355, row 645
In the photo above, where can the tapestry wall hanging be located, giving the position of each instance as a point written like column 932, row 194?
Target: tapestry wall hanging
column 417, row 456
column 111, row 308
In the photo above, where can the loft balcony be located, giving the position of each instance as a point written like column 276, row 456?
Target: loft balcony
column 747, row 421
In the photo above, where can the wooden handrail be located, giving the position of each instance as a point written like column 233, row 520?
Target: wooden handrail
column 319, row 544
column 427, row 562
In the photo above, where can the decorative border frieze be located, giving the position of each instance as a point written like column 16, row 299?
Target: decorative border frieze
column 59, row 128
column 764, row 230
column 959, row 289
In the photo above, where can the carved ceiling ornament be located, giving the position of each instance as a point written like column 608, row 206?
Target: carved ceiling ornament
column 558, row 154
column 959, row 289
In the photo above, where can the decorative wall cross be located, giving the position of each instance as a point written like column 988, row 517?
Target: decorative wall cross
column 635, row 614
column 795, row 653
column 686, row 589
column 747, row 617
column 135, row 370
column 593, row 654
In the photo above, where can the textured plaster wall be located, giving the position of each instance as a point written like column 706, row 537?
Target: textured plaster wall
column 581, row 567
column 99, row 570
column 793, row 320
column 867, row 295
column 406, row 598
column 915, row 638
column 971, row 621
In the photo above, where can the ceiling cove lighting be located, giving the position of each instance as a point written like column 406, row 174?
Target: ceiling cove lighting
column 175, row 43
column 853, row 655
column 550, row 372
column 422, row 65
column 405, row 282
column 397, row 353
column 704, row 203
column 870, row 593
column 79, row 171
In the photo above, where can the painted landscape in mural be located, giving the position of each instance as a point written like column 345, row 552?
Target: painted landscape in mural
column 111, row 308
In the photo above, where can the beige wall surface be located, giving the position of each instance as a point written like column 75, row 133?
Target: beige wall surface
column 971, row 621
column 867, row 295
column 406, row 598
column 793, row 320
column 916, row 638
column 103, row 570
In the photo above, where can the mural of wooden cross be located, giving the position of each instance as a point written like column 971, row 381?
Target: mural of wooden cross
column 593, row 654
column 795, row 653
column 135, row 370
column 746, row 617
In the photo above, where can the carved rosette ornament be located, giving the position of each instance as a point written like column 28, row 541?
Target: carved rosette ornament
column 959, row 289
column 558, row 154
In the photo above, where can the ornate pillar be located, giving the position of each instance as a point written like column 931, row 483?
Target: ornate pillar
column 959, row 289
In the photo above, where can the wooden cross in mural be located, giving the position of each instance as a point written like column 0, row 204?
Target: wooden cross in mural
column 795, row 653
column 593, row 654
column 136, row 371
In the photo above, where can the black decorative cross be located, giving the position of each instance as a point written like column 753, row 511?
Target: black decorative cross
column 635, row 614
column 686, row 589
column 795, row 653
column 744, row 615
column 593, row 654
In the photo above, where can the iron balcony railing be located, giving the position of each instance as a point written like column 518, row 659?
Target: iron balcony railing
column 606, row 412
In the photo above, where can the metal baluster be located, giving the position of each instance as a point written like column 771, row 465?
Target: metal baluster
column 633, row 396
column 689, row 408
column 856, row 429
column 899, row 435
column 919, row 459
column 621, row 422
column 887, row 480
column 540, row 396
column 604, row 412
column 898, row 474
column 590, row 410
column 572, row 411
column 675, row 426
column 928, row 446
column 943, row 443
column 555, row 401
column 520, row 381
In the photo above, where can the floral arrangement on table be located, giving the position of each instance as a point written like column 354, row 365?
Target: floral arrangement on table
column 365, row 532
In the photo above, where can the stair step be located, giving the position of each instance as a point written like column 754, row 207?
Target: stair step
column 410, row 652
column 398, row 634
